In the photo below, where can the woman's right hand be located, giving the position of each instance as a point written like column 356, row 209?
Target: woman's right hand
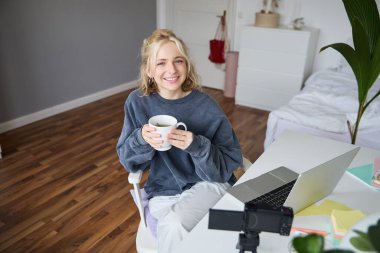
column 149, row 134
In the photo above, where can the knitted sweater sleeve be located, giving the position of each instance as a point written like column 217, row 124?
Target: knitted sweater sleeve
column 215, row 159
column 133, row 151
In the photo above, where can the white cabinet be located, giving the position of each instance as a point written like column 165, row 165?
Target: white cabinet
column 273, row 63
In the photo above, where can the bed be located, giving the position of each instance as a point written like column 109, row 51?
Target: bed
column 327, row 100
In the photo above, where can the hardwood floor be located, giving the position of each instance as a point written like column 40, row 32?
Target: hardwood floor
column 62, row 188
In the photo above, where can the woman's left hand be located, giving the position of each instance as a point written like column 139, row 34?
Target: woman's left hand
column 180, row 138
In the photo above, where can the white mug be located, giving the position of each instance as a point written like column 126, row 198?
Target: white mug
column 163, row 125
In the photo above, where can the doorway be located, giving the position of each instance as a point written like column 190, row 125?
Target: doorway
column 195, row 22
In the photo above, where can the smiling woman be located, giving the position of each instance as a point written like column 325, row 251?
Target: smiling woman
column 189, row 178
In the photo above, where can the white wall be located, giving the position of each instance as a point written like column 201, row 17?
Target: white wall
column 328, row 16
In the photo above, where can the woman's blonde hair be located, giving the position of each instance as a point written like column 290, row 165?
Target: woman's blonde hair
column 149, row 51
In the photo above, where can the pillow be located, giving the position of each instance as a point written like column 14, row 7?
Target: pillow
column 150, row 220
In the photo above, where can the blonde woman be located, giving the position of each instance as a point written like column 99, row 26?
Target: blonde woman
column 188, row 179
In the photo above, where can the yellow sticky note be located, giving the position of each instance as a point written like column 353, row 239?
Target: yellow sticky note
column 343, row 220
column 323, row 208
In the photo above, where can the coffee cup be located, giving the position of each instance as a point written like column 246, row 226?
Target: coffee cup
column 164, row 124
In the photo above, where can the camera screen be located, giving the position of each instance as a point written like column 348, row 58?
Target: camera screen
column 263, row 221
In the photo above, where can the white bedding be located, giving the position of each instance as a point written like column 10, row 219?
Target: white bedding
column 327, row 102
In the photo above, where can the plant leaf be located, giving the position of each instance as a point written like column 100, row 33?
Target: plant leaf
column 353, row 60
column 373, row 98
column 374, row 235
column 368, row 15
column 311, row 243
column 361, row 42
column 360, row 233
column 375, row 63
column 362, row 242
column 363, row 57
column 347, row 52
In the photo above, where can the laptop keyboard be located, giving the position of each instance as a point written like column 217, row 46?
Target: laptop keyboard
column 275, row 198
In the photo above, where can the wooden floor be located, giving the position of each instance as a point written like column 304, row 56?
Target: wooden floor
column 62, row 188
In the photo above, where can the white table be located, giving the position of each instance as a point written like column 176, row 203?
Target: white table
column 299, row 152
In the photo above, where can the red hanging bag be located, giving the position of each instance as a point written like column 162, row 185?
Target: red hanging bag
column 218, row 44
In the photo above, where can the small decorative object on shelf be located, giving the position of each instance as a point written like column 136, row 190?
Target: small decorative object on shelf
column 298, row 24
column 267, row 17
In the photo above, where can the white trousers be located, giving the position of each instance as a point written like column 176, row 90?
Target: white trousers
column 177, row 215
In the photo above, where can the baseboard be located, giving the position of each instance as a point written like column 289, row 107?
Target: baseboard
column 30, row 118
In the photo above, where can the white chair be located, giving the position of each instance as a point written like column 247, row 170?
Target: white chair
column 145, row 241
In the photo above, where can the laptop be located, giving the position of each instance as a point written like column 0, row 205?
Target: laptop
column 284, row 187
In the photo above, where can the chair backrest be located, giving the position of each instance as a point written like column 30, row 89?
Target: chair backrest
column 140, row 198
column 135, row 178
column 147, row 231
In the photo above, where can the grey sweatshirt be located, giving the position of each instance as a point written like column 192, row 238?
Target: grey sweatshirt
column 213, row 155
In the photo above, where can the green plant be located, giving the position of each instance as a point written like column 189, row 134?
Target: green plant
column 314, row 243
column 364, row 58
column 367, row 241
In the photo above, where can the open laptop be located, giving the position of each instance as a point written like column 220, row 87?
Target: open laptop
column 284, row 187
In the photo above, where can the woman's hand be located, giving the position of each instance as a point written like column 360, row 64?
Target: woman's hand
column 180, row 138
column 149, row 134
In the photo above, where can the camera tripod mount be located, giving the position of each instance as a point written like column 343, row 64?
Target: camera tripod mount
column 248, row 241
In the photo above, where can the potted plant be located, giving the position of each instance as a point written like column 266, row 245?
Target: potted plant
column 364, row 58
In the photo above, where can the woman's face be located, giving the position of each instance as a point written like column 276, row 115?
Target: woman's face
column 170, row 71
